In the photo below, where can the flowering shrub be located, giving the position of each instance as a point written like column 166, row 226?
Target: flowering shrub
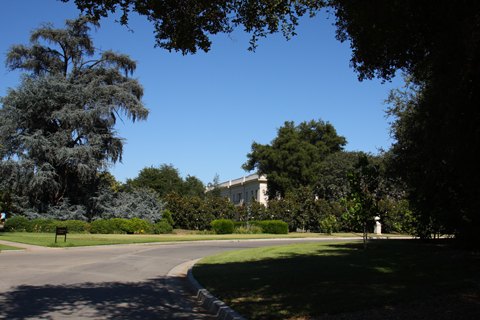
column 16, row 224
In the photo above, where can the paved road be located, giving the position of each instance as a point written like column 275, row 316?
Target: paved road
column 106, row 282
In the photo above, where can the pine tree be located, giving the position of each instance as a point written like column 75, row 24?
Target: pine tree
column 57, row 127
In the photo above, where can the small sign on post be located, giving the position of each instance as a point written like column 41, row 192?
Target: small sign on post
column 61, row 231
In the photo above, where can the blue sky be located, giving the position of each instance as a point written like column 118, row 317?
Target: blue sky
column 207, row 109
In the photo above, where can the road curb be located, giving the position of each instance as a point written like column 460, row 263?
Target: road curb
column 174, row 283
column 209, row 301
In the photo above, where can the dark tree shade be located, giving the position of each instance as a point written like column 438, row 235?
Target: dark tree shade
column 293, row 159
column 58, row 124
column 186, row 25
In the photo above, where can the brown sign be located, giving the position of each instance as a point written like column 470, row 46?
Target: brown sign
column 61, row 231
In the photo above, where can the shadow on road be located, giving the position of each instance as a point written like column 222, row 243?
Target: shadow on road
column 109, row 300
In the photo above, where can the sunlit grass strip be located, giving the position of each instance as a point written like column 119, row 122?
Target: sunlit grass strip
column 310, row 279
column 75, row 240
column 4, row 247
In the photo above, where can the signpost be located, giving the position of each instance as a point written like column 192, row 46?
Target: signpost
column 61, row 231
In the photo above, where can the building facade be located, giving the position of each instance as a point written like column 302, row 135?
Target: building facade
column 242, row 190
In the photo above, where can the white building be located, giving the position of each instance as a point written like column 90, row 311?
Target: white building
column 243, row 189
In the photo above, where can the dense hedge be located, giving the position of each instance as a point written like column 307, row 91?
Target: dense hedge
column 103, row 226
column 268, row 226
column 222, row 226
column 16, row 224
column 22, row 224
column 163, row 227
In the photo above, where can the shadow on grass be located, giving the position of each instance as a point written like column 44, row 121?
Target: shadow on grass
column 108, row 300
column 336, row 278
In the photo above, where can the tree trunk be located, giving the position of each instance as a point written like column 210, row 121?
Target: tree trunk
column 364, row 236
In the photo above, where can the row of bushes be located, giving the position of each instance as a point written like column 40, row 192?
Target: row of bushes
column 225, row 226
column 301, row 210
column 103, row 226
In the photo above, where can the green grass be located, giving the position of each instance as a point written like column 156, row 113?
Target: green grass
column 5, row 247
column 312, row 279
column 75, row 240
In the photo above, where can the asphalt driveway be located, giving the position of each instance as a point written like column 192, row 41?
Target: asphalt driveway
column 106, row 282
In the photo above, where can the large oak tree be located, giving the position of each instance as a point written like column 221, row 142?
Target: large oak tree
column 294, row 158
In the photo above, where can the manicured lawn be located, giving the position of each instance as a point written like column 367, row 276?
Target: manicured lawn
column 311, row 279
column 5, row 247
column 74, row 240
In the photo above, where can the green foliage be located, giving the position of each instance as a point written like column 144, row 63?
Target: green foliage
column 16, row 224
column 222, row 226
column 140, row 203
column 119, row 225
column 213, row 188
column 186, row 26
column 193, row 187
column 437, row 44
column 363, row 201
column 167, row 217
column 328, row 224
column 141, row 226
column 197, row 214
column 163, row 227
column 41, row 225
column 76, row 226
column 274, row 226
column 60, row 120
column 252, row 229
column 165, row 179
column 265, row 226
column 103, row 226
column 293, row 159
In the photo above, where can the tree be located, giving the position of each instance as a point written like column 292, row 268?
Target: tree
column 432, row 188
column 332, row 182
column 186, row 25
column 363, row 200
column 293, row 159
column 164, row 179
column 57, row 127
column 437, row 43
column 193, row 187
column 140, row 203
column 213, row 188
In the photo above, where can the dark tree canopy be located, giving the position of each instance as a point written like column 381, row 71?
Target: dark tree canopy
column 293, row 159
column 186, row 25
column 57, row 127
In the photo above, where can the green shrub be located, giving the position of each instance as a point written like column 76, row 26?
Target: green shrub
column 253, row 229
column 112, row 226
column 41, row 225
column 163, row 227
column 274, row 226
column 222, row 226
column 328, row 224
column 16, row 224
column 141, row 226
column 76, row 226
column 167, row 217
column 101, row 226
column 268, row 226
column 119, row 225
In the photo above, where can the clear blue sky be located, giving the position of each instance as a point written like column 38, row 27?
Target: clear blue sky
column 207, row 109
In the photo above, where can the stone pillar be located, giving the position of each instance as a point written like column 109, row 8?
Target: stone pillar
column 378, row 226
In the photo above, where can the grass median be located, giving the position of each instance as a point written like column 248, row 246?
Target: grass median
column 75, row 240
column 318, row 280
column 4, row 247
